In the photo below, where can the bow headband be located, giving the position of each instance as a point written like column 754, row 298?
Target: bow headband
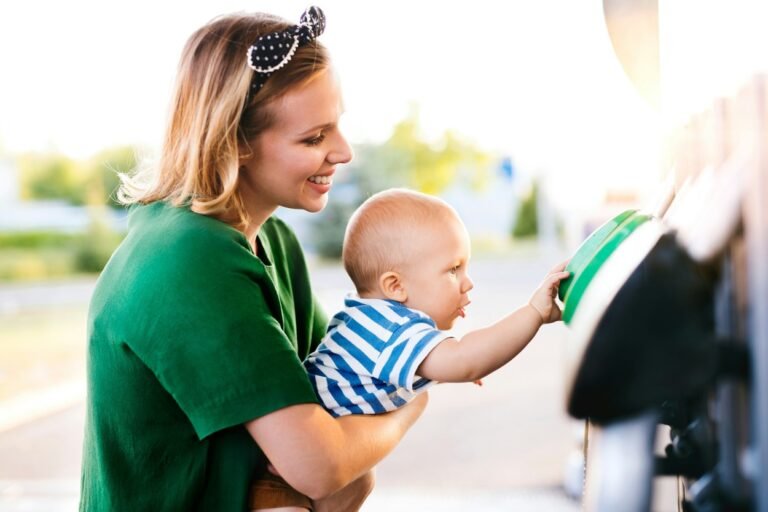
column 273, row 51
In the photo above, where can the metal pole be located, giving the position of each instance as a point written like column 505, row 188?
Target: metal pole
column 756, row 227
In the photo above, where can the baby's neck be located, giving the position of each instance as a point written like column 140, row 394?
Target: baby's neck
column 372, row 295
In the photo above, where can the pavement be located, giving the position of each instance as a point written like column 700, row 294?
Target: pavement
column 503, row 446
column 20, row 297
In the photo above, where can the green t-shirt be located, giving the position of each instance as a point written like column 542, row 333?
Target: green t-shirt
column 190, row 336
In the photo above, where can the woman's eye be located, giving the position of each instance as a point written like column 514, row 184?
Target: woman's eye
column 314, row 141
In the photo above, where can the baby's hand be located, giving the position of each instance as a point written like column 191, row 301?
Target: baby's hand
column 543, row 299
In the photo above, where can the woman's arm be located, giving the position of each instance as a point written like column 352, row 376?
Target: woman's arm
column 318, row 455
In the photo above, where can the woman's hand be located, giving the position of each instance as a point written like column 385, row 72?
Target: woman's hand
column 351, row 497
column 543, row 299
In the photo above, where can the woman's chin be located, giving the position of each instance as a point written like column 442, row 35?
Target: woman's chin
column 317, row 205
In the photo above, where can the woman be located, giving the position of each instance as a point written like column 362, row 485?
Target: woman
column 201, row 319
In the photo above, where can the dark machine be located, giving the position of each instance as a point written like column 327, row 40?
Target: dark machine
column 669, row 311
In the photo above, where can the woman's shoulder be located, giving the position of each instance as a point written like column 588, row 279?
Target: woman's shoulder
column 161, row 235
column 172, row 224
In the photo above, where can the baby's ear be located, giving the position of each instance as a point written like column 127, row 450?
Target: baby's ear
column 392, row 286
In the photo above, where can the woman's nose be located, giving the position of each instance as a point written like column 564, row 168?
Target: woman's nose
column 341, row 153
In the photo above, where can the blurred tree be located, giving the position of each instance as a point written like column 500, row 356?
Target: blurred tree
column 328, row 234
column 95, row 181
column 104, row 169
column 95, row 246
column 526, row 223
column 405, row 159
column 51, row 176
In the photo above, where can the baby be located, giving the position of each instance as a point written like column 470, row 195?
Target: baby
column 407, row 254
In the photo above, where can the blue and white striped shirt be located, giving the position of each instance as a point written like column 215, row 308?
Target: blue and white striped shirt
column 367, row 361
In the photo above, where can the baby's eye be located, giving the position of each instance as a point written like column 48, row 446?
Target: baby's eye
column 455, row 269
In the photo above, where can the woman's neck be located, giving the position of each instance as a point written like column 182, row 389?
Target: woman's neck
column 251, row 231
column 257, row 214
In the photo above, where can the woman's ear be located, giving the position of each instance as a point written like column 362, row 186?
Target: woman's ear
column 245, row 153
column 392, row 286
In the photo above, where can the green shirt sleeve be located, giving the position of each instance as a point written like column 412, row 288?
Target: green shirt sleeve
column 210, row 327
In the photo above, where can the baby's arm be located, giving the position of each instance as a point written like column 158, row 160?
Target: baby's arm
column 485, row 350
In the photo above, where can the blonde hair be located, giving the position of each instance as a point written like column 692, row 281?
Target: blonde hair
column 214, row 116
column 383, row 231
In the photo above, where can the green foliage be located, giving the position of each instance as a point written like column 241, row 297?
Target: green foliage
column 527, row 225
column 51, row 176
column 35, row 265
column 95, row 181
column 405, row 159
column 35, row 240
column 328, row 233
column 38, row 255
column 104, row 169
column 94, row 248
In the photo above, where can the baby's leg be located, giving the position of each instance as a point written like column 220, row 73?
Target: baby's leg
column 281, row 509
column 273, row 494
column 348, row 499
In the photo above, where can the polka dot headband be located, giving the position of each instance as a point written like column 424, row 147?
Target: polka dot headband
column 273, row 51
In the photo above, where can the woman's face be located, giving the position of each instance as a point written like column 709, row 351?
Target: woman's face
column 294, row 161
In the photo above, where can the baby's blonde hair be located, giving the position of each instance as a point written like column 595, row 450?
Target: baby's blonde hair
column 383, row 231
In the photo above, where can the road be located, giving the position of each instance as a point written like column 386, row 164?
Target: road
column 17, row 297
column 499, row 447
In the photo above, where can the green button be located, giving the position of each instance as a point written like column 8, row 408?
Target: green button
column 591, row 255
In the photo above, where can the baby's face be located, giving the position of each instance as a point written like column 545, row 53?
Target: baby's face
column 436, row 279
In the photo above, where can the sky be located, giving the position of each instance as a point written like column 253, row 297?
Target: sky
column 534, row 80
